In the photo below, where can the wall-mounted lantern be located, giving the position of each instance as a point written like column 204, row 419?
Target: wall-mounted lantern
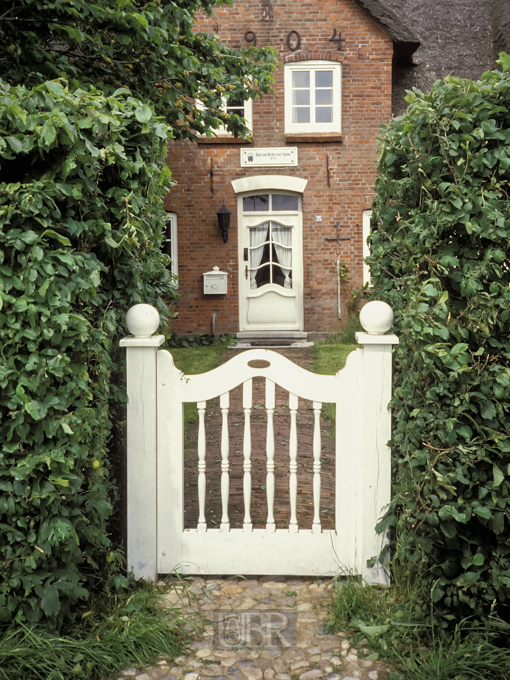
column 224, row 221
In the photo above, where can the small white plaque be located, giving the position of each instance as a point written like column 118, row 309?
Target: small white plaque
column 274, row 156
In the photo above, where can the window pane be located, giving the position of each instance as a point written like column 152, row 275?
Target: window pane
column 301, row 115
column 324, row 79
column 301, row 79
column 262, row 276
column 238, row 112
column 301, row 97
column 324, row 97
column 236, row 102
column 282, row 244
column 170, row 242
column 324, row 114
column 285, row 202
column 256, row 203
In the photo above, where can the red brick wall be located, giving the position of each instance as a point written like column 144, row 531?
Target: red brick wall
column 366, row 58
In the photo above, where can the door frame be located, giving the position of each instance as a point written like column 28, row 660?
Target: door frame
column 269, row 183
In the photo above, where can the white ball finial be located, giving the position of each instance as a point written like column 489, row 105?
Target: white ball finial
column 142, row 320
column 376, row 317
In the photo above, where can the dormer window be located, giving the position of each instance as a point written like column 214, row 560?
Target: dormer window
column 313, row 97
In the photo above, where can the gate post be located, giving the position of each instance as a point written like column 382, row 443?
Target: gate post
column 142, row 346
column 374, row 470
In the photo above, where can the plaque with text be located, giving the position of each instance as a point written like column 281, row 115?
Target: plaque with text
column 275, row 156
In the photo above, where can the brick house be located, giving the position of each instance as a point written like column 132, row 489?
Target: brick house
column 300, row 190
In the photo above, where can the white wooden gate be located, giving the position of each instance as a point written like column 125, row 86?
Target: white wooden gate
column 157, row 390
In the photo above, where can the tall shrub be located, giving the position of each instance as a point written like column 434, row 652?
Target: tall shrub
column 440, row 258
column 81, row 180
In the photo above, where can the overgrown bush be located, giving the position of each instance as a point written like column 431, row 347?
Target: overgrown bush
column 81, row 180
column 440, row 258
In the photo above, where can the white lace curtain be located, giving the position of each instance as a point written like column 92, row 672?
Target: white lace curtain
column 258, row 236
column 282, row 238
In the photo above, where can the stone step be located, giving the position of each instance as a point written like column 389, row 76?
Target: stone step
column 293, row 336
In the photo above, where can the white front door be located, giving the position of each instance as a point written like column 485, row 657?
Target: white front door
column 270, row 262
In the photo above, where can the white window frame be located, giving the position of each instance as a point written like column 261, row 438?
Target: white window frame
column 171, row 218
column 366, row 230
column 314, row 66
column 222, row 131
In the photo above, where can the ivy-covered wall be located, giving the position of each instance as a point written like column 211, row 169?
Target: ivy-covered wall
column 81, row 217
column 440, row 258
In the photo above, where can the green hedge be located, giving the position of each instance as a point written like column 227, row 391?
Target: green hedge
column 81, row 216
column 440, row 258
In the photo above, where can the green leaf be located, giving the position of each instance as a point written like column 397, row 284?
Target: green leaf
column 488, row 410
column 437, row 594
column 504, row 62
column 50, row 602
column 497, row 523
column 373, row 631
column 430, row 290
column 21, row 394
column 143, row 114
column 53, row 234
column 14, row 143
column 55, row 88
column 36, row 409
column 48, row 133
column 61, row 481
column 483, row 512
column 28, row 236
column 498, row 475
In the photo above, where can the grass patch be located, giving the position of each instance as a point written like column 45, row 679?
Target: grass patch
column 328, row 359
column 387, row 623
column 116, row 632
column 347, row 336
column 193, row 360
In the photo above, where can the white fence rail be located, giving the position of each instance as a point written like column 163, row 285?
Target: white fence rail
column 158, row 542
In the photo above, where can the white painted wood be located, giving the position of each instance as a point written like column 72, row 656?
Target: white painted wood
column 170, row 489
column 224, row 404
column 142, row 321
column 141, row 454
column 202, row 526
column 293, row 445
column 247, row 404
column 280, row 553
column 348, row 453
column 270, row 307
column 281, row 370
column 269, row 183
column 270, row 407
column 316, row 526
column 312, row 67
column 375, row 467
column 361, row 392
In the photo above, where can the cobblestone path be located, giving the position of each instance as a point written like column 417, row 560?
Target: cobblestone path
column 271, row 628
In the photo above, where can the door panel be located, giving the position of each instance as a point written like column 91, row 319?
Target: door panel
column 271, row 262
